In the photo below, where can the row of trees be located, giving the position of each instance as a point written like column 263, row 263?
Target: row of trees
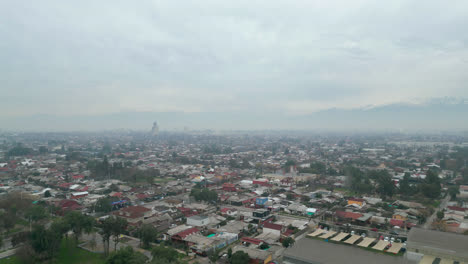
column 381, row 182
column 204, row 194
column 112, row 227
column 43, row 243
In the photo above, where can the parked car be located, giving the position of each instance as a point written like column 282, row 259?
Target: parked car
column 352, row 232
column 386, row 239
column 393, row 232
column 363, row 234
column 392, row 239
column 375, row 229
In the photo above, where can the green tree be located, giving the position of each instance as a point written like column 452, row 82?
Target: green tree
column 453, row 191
column 405, row 187
column 229, row 253
column 385, row 185
column 431, row 186
column 47, row 194
column 213, row 257
column 106, row 232
column 126, row 256
column 118, row 228
column 440, row 215
column 164, row 253
column 103, row 205
column 79, row 223
column 45, row 242
column 43, row 150
column 147, row 234
column 36, row 213
column 61, row 227
column 287, row 242
column 240, row 257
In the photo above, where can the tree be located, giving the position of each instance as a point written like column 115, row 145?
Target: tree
column 147, row 234
column 164, row 253
column 45, row 242
column 79, row 223
column 290, row 163
column 103, row 205
column 287, row 242
column 43, row 150
column 453, row 191
column 118, row 227
column 213, row 257
column 19, row 238
column 431, row 186
column 47, row 194
column 106, row 232
column 126, row 256
column 405, row 187
column 61, row 227
column 229, row 253
column 385, row 185
column 440, row 215
column 240, row 257
column 204, row 194
column 36, row 213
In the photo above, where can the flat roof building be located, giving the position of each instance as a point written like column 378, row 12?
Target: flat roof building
column 444, row 245
column 312, row 251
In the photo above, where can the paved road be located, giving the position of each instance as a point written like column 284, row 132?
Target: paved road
column 7, row 253
column 430, row 220
column 6, row 244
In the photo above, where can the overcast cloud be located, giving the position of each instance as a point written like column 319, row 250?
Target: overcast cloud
column 296, row 57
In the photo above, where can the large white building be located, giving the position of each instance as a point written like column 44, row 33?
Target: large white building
column 155, row 129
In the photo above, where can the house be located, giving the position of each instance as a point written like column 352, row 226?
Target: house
column 396, row 222
column 356, row 201
column 272, row 228
column 229, row 187
column 134, row 214
column 249, row 240
column 256, row 255
column 348, row 215
column 183, row 234
column 229, row 212
column 463, row 191
column 400, row 216
column 198, row 220
column 67, row 205
column 78, row 195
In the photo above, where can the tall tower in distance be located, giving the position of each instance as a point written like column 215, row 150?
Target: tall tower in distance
column 155, row 129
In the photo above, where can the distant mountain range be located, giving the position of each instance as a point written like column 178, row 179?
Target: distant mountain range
column 446, row 114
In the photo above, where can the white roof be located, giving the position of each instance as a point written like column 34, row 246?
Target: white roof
column 79, row 193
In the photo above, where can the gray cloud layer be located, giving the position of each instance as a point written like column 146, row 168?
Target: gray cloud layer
column 293, row 57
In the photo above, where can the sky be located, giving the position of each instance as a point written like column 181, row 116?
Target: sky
column 68, row 58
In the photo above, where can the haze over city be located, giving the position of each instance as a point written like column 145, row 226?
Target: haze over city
column 363, row 65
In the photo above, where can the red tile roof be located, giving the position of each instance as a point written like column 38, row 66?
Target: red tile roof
column 251, row 240
column 457, row 208
column 272, row 226
column 396, row 222
column 349, row 215
column 142, row 196
column 187, row 232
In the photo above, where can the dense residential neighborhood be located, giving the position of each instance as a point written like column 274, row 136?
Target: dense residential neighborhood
column 208, row 196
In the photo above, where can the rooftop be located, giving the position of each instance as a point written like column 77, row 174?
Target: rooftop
column 315, row 251
column 439, row 242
